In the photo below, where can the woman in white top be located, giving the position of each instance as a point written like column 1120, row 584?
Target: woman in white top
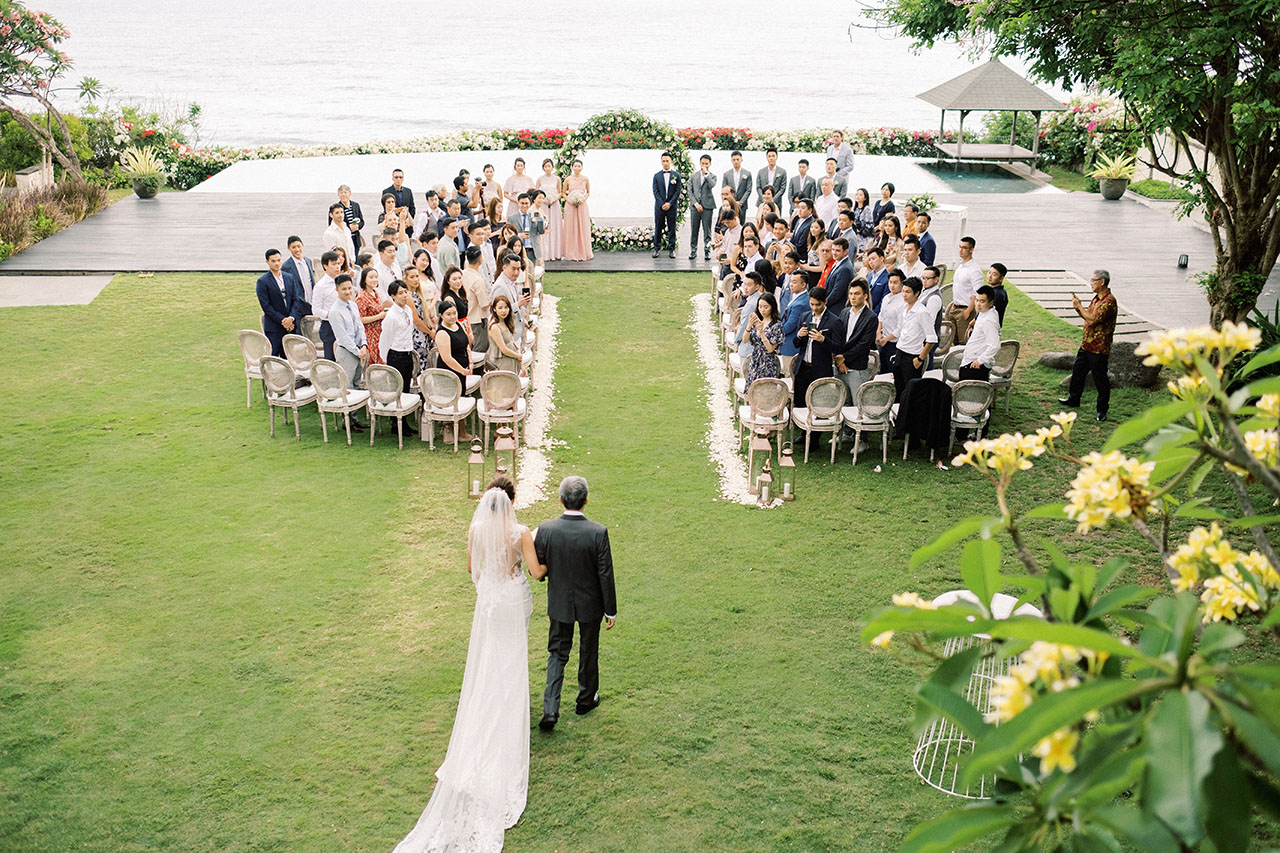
column 893, row 309
column 338, row 234
column 395, row 344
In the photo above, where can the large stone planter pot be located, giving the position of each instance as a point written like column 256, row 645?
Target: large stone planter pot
column 1113, row 188
column 144, row 188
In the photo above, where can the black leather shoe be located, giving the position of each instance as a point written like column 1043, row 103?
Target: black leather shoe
column 671, row 253
column 1068, row 402
column 358, row 427
column 588, row 707
column 655, row 253
column 693, row 256
column 547, row 723
column 1102, row 416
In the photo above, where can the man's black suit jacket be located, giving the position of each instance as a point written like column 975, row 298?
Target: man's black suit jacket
column 857, row 347
column 404, row 198
column 579, row 564
column 829, row 325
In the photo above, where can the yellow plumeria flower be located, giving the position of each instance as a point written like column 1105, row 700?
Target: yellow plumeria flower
column 1189, row 388
column 1111, row 487
column 1227, row 596
column 1257, row 564
column 1057, row 751
column 1009, row 697
column 1065, row 420
column 911, row 599
column 881, row 640
column 1264, row 444
column 1269, row 406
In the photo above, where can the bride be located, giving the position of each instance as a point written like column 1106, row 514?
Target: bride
column 484, row 781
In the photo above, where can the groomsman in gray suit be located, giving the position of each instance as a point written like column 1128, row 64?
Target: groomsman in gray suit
column 771, row 176
column 738, row 179
column 702, row 206
column 801, row 186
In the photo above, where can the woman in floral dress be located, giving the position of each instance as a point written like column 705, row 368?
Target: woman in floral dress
column 764, row 330
column 371, row 311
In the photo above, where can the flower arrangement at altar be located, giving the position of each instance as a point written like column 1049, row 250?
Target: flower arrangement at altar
column 1131, row 716
column 629, row 238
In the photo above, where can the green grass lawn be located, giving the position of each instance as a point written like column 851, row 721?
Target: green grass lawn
column 213, row 640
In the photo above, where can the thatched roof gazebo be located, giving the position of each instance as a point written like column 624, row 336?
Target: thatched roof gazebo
column 991, row 86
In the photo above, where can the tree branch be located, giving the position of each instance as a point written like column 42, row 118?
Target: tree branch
column 1246, row 506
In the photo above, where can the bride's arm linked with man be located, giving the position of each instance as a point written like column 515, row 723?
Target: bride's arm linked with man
column 579, row 575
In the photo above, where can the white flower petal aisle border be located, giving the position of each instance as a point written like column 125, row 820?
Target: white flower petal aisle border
column 722, row 436
column 533, row 465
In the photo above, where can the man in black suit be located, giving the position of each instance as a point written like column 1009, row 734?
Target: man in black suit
column 666, row 205
column 858, row 335
column 281, row 301
column 800, row 225
column 404, row 196
column 814, row 342
column 839, row 278
column 580, row 589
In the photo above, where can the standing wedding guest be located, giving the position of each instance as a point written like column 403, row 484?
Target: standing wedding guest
column 493, row 210
column 395, row 336
column 577, row 215
column 428, row 219
column 814, row 263
column 751, row 292
column 909, row 259
column 453, row 292
column 299, row 266
column 801, row 222
column 890, row 240
column 772, row 175
column 931, row 297
column 828, row 202
column 984, row 341
column 928, row 246
column 388, row 269
column 780, row 246
column 852, row 349
column 876, row 274
column 768, row 277
column 801, row 186
column 839, row 150
column 764, row 336
column 765, row 208
column 893, row 311
column 1095, row 347
column 487, row 189
column 338, row 235
column 845, row 228
column 727, row 205
column 549, row 207
column 796, row 313
column 425, row 262
column 666, row 205
column 476, row 290
column 393, row 229
column 738, row 180
column 351, row 346
column 402, row 194
column 841, row 276
column 448, row 249
column 323, row 298
column 1000, row 296
column 507, row 284
column 789, row 279
column 702, row 200
column 528, row 224
column 885, row 205
column 729, row 247
column 354, row 218
column 915, row 341
column 502, row 351
column 372, row 310
column 424, row 314
column 814, row 342
column 461, row 198
column 345, row 262
column 280, row 298
column 454, row 345
column 517, row 183
column 839, row 183
column 965, row 283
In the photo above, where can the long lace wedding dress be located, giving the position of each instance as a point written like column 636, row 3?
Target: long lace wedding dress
column 484, row 780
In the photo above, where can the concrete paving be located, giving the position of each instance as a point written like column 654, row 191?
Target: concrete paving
column 23, row 290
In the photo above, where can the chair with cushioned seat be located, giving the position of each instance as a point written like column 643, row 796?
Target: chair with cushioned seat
column 386, row 399
column 821, row 411
column 444, row 403
column 765, row 410
column 970, row 406
column 501, row 402
column 282, row 392
column 872, row 412
column 253, row 347
column 333, row 396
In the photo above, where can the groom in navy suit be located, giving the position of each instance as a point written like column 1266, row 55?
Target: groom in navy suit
column 666, row 205
column 280, row 296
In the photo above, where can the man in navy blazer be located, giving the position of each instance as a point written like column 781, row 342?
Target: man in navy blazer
column 666, row 205
column 928, row 246
column 796, row 314
column 841, row 275
column 300, row 267
column 279, row 297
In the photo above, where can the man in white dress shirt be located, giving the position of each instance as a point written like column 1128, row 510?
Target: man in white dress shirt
column 827, row 203
column 964, row 285
column 838, row 149
column 324, row 296
column 909, row 261
column 338, row 234
column 388, row 270
column 984, row 342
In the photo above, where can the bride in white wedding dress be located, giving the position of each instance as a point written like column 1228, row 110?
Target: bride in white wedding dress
column 483, row 783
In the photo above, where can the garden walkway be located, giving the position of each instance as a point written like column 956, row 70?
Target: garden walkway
column 1076, row 232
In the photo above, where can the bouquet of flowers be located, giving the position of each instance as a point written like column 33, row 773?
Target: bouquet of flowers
column 577, row 197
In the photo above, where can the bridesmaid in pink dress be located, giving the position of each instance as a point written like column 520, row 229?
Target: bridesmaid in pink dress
column 577, row 217
column 552, row 239
column 514, row 185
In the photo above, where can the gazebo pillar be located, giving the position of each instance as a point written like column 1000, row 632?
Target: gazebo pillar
column 960, row 134
column 1035, row 140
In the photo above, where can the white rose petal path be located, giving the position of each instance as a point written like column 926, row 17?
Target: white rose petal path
column 722, row 436
column 533, row 465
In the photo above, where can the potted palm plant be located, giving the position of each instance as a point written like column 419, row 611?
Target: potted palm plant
column 1113, row 174
column 143, row 169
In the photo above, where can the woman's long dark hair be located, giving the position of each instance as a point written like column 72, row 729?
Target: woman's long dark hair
column 773, row 308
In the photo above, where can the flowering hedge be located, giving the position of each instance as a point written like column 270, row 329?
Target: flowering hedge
column 630, row 238
column 1090, row 126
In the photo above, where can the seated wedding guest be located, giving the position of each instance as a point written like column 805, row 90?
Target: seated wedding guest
column 928, row 247
column 403, row 195
column 966, row 281
column 424, row 314
column 916, row 339
column 351, row 344
column 338, row 235
column 449, row 254
column 324, row 296
column 751, row 291
column 299, row 266
column 814, row 342
column 876, row 274
column 841, row 275
column 1000, row 296
column 428, row 219
column 852, row 350
column 388, row 269
column 909, row 213
column 502, row 351
column 372, row 304
column 796, row 313
column 790, row 278
column 280, row 298
column 984, row 342
column 864, row 224
column 827, row 204
column 476, row 289
column 826, row 260
column 765, row 230
column 395, row 339
column 893, row 311
column 354, row 218
column 909, row 259
column 751, row 247
column 454, row 345
column 839, row 183
column 884, row 206
column 764, row 337
column 363, row 261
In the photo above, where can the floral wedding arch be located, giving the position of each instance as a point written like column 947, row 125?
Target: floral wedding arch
column 661, row 135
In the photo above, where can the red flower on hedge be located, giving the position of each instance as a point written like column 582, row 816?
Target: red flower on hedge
column 147, row 133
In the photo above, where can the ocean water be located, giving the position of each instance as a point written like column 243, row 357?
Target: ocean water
column 268, row 71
